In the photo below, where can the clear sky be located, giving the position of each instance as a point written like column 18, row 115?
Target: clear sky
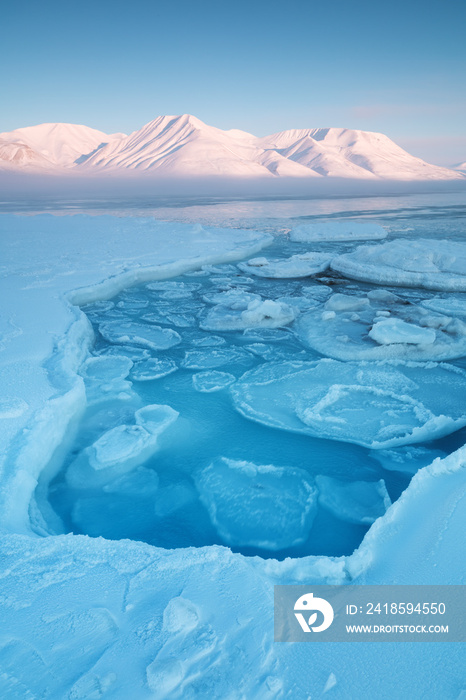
column 397, row 66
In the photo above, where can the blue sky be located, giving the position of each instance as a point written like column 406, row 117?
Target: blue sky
column 396, row 67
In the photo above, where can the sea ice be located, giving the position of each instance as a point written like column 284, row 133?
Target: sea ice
column 390, row 331
column 233, row 298
column 208, row 382
column 152, row 337
column 257, row 314
column 375, row 405
column 337, row 231
column 381, row 325
column 259, row 506
column 120, row 449
column 210, row 359
column 105, row 378
column 407, row 459
column 425, row 263
column 303, row 265
column 449, row 307
column 152, row 368
column 356, row 501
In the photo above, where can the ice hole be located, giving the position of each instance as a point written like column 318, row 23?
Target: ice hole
column 211, row 419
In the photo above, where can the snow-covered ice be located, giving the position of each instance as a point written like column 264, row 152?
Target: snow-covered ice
column 250, row 314
column 336, row 231
column 152, row 337
column 303, row 265
column 355, row 501
column 86, row 617
column 424, row 262
column 258, row 505
column 381, row 325
column 212, row 381
column 372, row 404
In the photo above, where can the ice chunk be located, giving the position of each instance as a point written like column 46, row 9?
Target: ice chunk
column 337, row 231
column 379, row 326
column 131, row 304
column 105, row 378
column 343, row 302
column 208, row 341
column 152, row 337
column 303, row 265
column 450, row 307
column 376, row 405
column 105, row 369
column 425, row 263
column 152, row 368
column 259, row 506
column 407, row 459
column 355, row 502
column 258, row 314
column 210, row 359
column 394, row 330
column 208, row 382
column 233, row 298
column 121, row 449
column 174, row 287
column 130, row 351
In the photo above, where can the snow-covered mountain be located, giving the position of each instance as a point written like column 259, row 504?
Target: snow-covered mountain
column 351, row 153
column 185, row 147
column 49, row 145
column 460, row 166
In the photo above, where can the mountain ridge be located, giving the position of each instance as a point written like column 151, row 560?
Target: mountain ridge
column 182, row 146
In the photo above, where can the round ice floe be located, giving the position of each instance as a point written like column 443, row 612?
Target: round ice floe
column 356, row 501
column 258, row 506
column 207, row 382
column 378, row 326
column 376, row 405
column 210, row 359
column 303, row 265
column 258, row 314
column 173, row 286
column 449, row 307
column 106, row 368
column 337, row 231
column 152, row 337
column 152, row 368
column 426, row 263
column 121, row 449
column 233, row 298
column 130, row 351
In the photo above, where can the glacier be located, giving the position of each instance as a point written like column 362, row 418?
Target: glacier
column 107, row 614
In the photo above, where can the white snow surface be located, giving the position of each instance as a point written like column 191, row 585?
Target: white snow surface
column 86, row 617
column 426, row 263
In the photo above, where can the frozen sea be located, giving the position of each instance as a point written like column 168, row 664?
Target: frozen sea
column 233, row 425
